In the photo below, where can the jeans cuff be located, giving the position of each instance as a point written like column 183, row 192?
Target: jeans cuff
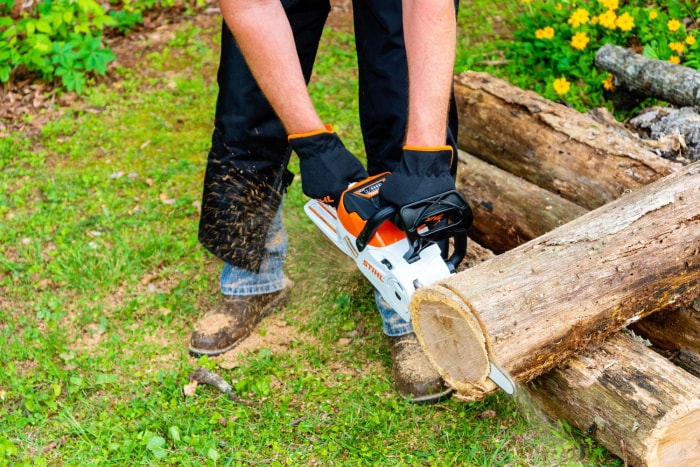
column 394, row 324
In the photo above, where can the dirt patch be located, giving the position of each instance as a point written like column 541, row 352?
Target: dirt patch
column 273, row 333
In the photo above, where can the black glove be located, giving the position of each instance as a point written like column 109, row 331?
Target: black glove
column 327, row 168
column 422, row 173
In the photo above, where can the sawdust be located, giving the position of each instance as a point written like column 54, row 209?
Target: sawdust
column 415, row 366
column 213, row 322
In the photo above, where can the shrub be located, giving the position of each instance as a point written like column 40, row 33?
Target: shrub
column 65, row 38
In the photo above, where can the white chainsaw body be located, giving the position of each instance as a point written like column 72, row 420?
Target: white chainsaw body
column 385, row 267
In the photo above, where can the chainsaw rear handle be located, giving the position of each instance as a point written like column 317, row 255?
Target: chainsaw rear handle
column 432, row 220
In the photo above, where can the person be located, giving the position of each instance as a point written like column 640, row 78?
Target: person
column 405, row 51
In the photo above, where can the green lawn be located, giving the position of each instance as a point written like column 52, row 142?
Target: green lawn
column 102, row 278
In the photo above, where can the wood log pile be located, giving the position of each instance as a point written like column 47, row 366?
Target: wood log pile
column 591, row 299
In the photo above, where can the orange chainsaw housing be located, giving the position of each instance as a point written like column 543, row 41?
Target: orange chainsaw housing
column 358, row 203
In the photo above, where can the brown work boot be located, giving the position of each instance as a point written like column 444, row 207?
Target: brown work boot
column 414, row 376
column 231, row 321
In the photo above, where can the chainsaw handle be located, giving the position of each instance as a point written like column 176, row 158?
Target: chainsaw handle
column 417, row 243
column 372, row 225
column 459, row 252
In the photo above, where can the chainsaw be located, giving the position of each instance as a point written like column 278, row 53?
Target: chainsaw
column 399, row 249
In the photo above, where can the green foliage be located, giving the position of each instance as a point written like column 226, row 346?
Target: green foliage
column 555, row 41
column 59, row 38
column 65, row 38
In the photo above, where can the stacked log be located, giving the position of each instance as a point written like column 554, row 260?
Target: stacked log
column 534, row 306
column 630, row 399
column 676, row 84
column 509, row 210
column 505, row 218
column 550, row 145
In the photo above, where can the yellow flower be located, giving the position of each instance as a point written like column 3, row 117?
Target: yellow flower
column 675, row 59
column 610, row 4
column 561, row 86
column 579, row 41
column 545, row 33
column 677, row 47
column 579, row 17
column 526, row 1
column 625, row 22
column 690, row 40
column 558, row 7
column 673, row 25
column 653, row 14
column 608, row 19
column 608, row 83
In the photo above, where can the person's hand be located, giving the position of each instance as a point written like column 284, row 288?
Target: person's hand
column 327, row 168
column 422, row 173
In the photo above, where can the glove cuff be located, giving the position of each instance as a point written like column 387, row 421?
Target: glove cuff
column 327, row 129
column 417, row 160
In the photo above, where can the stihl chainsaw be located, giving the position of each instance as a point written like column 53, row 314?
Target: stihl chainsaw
column 399, row 250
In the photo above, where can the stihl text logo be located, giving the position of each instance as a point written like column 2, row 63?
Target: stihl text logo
column 372, row 270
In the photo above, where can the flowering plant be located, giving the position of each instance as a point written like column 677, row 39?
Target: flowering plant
column 554, row 46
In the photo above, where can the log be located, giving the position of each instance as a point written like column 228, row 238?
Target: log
column 675, row 131
column 550, row 145
column 532, row 307
column 626, row 397
column 673, row 329
column 688, row 360
column 508, row 210
column 675, row 84
column 629, row 399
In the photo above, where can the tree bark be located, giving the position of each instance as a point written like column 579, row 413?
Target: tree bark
column 676, row 84
column 508, row 210
column 550, row 145
column 532, row 307
column 629, row 399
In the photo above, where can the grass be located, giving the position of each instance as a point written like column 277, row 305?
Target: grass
column 101, row 279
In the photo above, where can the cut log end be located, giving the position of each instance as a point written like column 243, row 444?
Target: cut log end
column 679, row 443
column 451, row 336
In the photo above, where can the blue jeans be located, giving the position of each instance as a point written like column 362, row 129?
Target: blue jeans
column 271, row 278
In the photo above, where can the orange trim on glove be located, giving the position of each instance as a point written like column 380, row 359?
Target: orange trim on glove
column 327, row 129
column 427, row 148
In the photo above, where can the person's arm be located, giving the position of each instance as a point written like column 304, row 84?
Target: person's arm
column 264, row 35
column 265, row 38
column 430, row 31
